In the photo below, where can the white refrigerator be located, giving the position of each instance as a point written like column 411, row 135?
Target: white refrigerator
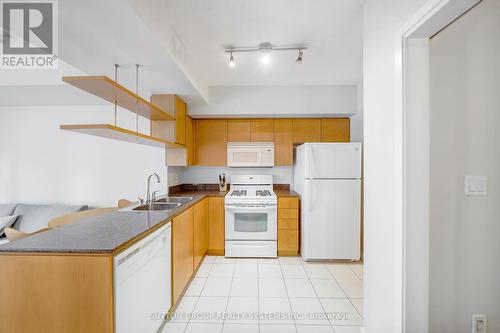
column 328, row 178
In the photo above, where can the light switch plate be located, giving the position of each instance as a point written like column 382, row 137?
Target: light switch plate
column 479, row 323
column 476, row 185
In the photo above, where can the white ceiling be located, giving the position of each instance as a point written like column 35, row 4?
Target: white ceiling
column 332, row 30
column 180, row 45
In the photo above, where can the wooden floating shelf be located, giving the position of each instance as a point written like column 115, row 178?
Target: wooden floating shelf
column 122, row 134
column 109, row 90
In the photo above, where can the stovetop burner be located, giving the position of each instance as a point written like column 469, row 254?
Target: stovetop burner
column 263, row 193
column 239, row 193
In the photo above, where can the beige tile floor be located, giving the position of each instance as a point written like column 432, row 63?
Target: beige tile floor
column 271, row 295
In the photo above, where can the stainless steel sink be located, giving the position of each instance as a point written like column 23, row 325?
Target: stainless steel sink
column 175, row 200
column 158, row 206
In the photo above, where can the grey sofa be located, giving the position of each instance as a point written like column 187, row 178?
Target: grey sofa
column 35, row 217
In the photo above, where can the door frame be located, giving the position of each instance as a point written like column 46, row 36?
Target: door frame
column 413, row 151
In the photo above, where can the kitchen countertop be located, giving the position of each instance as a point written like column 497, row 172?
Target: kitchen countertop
column 103, row 234
column 281, row 190
column 110, row 232
column 286, row 193
column 208, row 193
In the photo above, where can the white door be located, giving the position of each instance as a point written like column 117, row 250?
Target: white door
column 333, row 160
column 331, row 212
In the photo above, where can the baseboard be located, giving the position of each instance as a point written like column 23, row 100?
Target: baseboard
column 288, row 253
column 212, row 252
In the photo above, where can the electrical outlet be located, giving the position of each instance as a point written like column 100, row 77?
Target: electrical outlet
column 479, row 323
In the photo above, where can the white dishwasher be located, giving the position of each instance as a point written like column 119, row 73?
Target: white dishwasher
column 142, row 283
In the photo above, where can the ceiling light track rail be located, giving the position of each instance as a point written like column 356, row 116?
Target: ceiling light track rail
column 266, row 47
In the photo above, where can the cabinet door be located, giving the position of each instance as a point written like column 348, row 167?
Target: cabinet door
column 180, row 121
column 238, row 130
column 288, row 242
column 335, row 130
column 262, row 130
column 283, row 145
column 306, row 130
column 182, row 252
column 189, row 141
column 288, row 226
column 210, row 138
column 216, row 225
column 200, row 231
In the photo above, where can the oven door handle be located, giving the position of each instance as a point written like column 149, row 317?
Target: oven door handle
column 246, row 208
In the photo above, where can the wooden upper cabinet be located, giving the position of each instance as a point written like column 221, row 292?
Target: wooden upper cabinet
column 173, row 130
column 210, row 142
column 180, row 120
column 306, row 130
column 189, row 141
column 238, row 130
column 283, row 144
column 262, row 130
column 335, row 130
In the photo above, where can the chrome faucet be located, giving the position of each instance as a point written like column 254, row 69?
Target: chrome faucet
column 148, row 195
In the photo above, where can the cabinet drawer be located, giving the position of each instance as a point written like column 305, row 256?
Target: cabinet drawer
column 288, row 203
column 288, row 240
column 288, row 224
column 288, row 213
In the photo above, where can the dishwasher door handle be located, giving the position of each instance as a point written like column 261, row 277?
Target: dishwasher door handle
column 129, row 256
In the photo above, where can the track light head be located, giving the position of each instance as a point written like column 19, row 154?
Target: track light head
column 300, row 56
column 231, row 61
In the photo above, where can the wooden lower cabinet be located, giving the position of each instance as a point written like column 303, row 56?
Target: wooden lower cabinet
column 288, row 226
column 200, row 231
column 216, row 225
column 56, row 293
column 288, row 242
column 182, row 252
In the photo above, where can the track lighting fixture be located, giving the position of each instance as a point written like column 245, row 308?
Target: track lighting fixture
column 266, row 48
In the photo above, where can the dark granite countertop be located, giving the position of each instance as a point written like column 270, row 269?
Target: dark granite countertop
column 211, row 190
column 281, row 190
column 103, row 234
column 208, row 193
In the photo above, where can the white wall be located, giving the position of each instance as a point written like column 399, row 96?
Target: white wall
column 255, row 101
column 209, row 175
column 39, row 163
column 465, row 132
column 383, row 20
column 285, row 101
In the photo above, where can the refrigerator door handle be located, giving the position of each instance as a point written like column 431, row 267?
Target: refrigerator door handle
column 311, row 192
column 312, row 161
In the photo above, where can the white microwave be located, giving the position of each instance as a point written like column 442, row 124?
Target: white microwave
column 250, row 154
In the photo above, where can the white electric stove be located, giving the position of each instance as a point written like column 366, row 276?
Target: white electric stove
column 251, row 220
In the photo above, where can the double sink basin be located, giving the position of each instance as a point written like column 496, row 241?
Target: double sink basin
column 165, row 204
